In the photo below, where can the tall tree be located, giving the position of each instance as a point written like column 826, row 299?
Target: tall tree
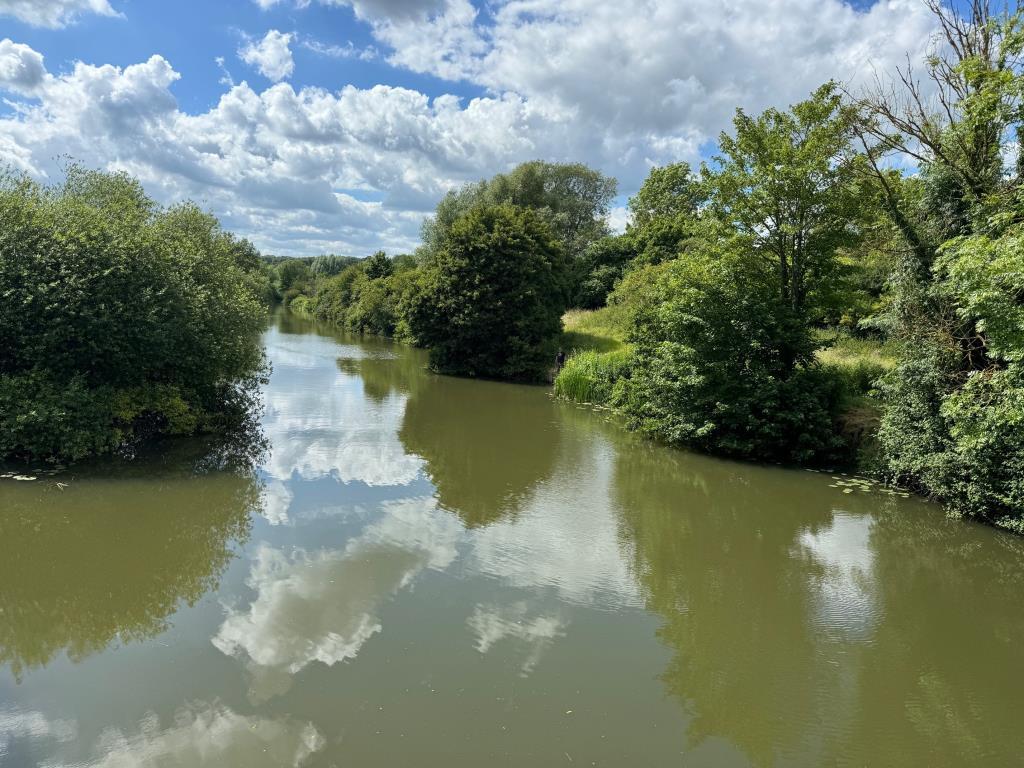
column 490, row 298
column 787, row 181
column 573, row 199
column 954, row 419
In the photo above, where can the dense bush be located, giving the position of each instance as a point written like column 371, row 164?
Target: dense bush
column 722, row 364
column 954, row 423
column 119, row 317
column 489, row 301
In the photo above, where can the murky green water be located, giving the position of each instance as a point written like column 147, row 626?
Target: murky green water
column 425, row 571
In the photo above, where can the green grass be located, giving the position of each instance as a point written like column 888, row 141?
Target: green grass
column 590, row 376
column 597, row 330
column 845, row 351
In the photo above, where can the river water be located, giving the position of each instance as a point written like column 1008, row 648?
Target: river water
column 429, row 571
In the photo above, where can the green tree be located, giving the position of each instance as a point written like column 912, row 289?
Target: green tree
column 490, row 299
column 664, row 213
column 572, row 198
column 378, row 266
column 788, row 181
column 119, row 318
column 952, row 425
column 602, row 265
column 722, row 364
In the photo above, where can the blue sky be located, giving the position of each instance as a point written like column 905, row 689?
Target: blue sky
column 335, row 125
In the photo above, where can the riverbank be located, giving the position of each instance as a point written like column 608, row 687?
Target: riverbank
column 598, row 360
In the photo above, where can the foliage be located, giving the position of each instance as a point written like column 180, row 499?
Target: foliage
column 490, row 299
column 378, row 266
column 330, row 264
column 954, row 425
column 664, row 213
column 722, row 364
column 574, row 201
column 599, row 268
column 789, row 181
column 951, row 426
column 119, row 318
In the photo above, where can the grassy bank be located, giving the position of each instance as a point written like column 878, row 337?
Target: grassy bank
column 594, row 330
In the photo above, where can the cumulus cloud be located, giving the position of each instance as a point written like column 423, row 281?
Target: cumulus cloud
column 284, row 166
column 21, row 68
column 271, row 56
column 53, row 13
column 619, row 86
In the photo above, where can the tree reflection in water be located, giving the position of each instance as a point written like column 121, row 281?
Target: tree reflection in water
column 794, row 614
column 110, row 554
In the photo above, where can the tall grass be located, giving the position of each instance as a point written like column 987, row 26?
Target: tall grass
column 601, row 330
column 841, row 349
column 590, row 376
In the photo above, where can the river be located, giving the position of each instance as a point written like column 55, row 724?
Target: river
column 428, row 571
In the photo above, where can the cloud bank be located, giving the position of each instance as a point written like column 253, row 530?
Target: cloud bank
column 303, row 169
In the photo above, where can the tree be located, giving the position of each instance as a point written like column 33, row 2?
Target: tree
column 722, row 364
column 664, row 213
column 952, row 425
column 378, row 266
column 573, row 199
column 598, row 270
column 788, row 182
column 490, row 299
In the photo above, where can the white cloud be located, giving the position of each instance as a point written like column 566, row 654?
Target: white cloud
column 284, row 166
column 271, row 56
column 53, row 13
column 346, row 51
column 208, row 736
column 619, row 86
column 21, row 68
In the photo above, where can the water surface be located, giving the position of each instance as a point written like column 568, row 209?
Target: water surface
column 427, row 571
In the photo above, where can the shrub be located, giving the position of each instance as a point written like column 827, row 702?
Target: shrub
column 119, row 318
column 723, row 365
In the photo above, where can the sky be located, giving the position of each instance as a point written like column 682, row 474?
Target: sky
column 335, row 126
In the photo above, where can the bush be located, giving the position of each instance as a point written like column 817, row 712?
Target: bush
column 723, row 365
column 592, row 377
column 490, row 299
column 954, row 420
column 119, row 318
